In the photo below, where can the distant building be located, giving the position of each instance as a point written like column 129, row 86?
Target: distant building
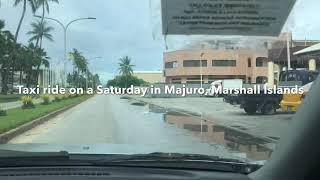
column 251, row 65
column 46, row 77
column 150, row 76
column 278, row 56
column 184, row 66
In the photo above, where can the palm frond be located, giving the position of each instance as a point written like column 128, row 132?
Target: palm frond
column 17, row 2
column 49, row 37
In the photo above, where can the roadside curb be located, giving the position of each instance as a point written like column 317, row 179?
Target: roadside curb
column 196, row 114
column 7, row 136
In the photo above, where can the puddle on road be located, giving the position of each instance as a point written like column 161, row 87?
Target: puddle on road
column 239, row 142
column 138, row 104
column 124, row 97
column 275, row 138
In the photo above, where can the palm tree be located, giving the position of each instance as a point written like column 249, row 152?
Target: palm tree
column 41, row 58
column 80, row 63
column 45, row 6
column 40, row 31
column 7, row 46
column 1, row 24
column 33, row 8
column 126, row 68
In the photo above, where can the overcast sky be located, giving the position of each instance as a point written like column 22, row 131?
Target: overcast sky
column 126, row 27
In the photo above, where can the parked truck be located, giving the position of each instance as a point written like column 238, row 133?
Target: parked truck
column 267, row 104
column 291, row 102
column 224, row 84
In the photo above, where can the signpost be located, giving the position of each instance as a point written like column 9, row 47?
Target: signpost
column 225, row 17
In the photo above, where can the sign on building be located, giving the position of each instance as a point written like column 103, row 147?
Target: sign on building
column 225, row 17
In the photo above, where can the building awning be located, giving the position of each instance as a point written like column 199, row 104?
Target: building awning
column 280, row 54
column 310, row 49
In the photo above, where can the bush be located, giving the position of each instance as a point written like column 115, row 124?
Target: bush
column 3, row 112
column 66, row 96
column 126, row 81
column 57, row 98
column 45, row 99
column 27, row 102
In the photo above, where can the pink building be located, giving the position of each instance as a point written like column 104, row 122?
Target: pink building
column 184, row 66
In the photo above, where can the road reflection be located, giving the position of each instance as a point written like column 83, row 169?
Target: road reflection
column 239, row 142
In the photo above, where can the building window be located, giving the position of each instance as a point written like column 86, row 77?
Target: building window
column 195, row 82
column 176, row 80
column 232, row 63
column 261, row 62
column 170, row 65
column 261, row 80
column 195, row 63
column 249, row 80
column 249, row 62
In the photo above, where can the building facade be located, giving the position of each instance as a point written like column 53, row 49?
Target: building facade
column 192, row 66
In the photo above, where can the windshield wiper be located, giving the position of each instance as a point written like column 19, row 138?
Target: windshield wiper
column 169, row 157
column 180, row 161
column 18, row 158
column 153, row 160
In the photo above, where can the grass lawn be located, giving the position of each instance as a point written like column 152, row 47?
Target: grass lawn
column 17, row 117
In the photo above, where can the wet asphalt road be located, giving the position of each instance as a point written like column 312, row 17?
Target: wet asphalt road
column 112, row 120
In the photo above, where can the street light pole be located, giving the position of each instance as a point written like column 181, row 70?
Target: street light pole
column 201, row 68
column 65, row 30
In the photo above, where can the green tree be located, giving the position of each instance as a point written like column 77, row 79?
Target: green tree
column 14, row 50
column 96, row 80
column 31, row 57
column 80, row 64
column 79, row 61
column 7, row 46
column 93, row 80
column 126, row 68
column 41, row 59
column 40, row 31
column 122, row 81
column 1, row 24
column 44, row 4
column 28, row 62
column 32, row 4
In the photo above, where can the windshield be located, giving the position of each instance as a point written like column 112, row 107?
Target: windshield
column 219, row 78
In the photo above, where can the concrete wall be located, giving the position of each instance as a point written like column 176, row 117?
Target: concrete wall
column 150, row 77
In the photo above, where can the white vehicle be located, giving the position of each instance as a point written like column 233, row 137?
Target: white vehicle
column 226, row 83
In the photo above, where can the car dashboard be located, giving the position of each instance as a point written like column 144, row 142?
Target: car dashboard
column 121, row 173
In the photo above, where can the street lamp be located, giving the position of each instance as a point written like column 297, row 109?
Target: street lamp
column 201, row 68
column 65, row 28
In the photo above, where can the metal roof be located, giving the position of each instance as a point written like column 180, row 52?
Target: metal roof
column 308, row 49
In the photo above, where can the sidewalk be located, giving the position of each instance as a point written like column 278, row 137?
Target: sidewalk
column 16, row 104
column 216, row 110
